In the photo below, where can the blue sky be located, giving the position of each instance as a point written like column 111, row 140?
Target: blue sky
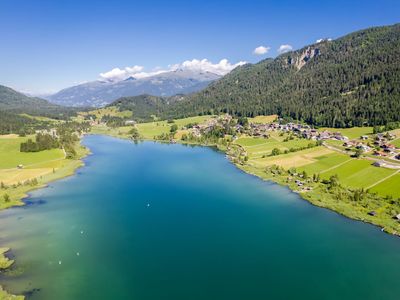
column 48, row 45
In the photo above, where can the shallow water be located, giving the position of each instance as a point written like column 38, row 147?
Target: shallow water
column 156, row 221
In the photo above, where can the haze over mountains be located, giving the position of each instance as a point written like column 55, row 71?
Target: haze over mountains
column 102, row 92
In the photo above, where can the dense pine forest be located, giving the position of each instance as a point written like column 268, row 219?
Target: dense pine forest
column 351, row 81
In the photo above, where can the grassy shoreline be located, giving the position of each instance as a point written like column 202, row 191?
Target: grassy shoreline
column 17, row 195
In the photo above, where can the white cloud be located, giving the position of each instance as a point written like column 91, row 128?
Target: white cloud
column 322, row 40
column 221, row 68
column 284, row 48
column 261, row 50
column 118, row 74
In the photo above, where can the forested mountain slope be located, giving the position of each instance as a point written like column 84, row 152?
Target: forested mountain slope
column 351, row 81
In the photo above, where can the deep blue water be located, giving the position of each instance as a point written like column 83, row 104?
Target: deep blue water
column 154, row 221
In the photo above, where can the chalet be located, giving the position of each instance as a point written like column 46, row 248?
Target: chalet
column 350, row 143
column 20, row 166
column 325, row 135
column 379, row 153
column 372, row 213
column 379, row 164
column 364, row 137
column 363, row 147
column 338, row 136
column 388, row 148
column 379, row 139
column 390, row 136
column 397, row 217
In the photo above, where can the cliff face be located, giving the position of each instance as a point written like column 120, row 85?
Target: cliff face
column 301, row 59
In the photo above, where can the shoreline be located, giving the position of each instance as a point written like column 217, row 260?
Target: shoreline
column 305, row 196
column 21, row 196
column 73, row 165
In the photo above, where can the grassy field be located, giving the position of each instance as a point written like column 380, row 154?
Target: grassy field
column 325, row 162
column 351, row 133
column 100, row 112
column 389, row 187
column 10, row 156
column 293, row 159
column 44, row 166
column 152, row 129
column 352, row 173
column 263, row 119
column 259, row 147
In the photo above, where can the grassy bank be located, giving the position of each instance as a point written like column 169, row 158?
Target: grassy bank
column 5, row 263
column 38, row 169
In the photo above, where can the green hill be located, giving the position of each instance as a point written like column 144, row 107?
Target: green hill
column 13, row 104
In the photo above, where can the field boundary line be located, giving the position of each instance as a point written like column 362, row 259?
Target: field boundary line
column 337, row 166
column 382, row 180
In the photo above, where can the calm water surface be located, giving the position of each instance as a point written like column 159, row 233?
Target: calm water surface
column 155, row 221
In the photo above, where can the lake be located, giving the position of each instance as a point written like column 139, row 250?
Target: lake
column 156, row 221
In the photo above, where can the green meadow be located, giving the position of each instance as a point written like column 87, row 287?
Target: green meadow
column 351, row 133
column 352, row 172
column 153, row 129
column 10, row 156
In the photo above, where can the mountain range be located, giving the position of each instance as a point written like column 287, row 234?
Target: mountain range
column 350, row 81
column 100, row 93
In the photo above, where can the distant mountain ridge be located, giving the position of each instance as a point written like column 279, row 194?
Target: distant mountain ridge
column 100, row 93
column 14, row 106
column 14, row 102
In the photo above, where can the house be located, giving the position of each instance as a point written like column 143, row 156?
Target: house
column 325, row 135
column 372, row 213
column 350, row 144
column 20, row 166
column 397, row 217
column 379, row 153
column 130, row 122
column 379, row 163
column 364, row 137
column 363, row 147
column 388, row 148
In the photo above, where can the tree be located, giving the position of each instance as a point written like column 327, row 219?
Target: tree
column 275, row 152
column 358, row 153
column 134, row 133
column 333, row 181
column 173, row 128
column 6, row 198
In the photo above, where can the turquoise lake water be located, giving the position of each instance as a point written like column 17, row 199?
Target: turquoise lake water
column 153, row 221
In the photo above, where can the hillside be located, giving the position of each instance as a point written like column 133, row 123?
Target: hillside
column 100, row 93
column 14, row 104
column 351, row 81
column 12, row 101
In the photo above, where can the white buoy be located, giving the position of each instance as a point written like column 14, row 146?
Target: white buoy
column 81, row 231
column 148, row 204
column 77, row 253
column 59, row 262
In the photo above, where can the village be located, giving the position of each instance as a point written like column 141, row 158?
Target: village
column 377, row 145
